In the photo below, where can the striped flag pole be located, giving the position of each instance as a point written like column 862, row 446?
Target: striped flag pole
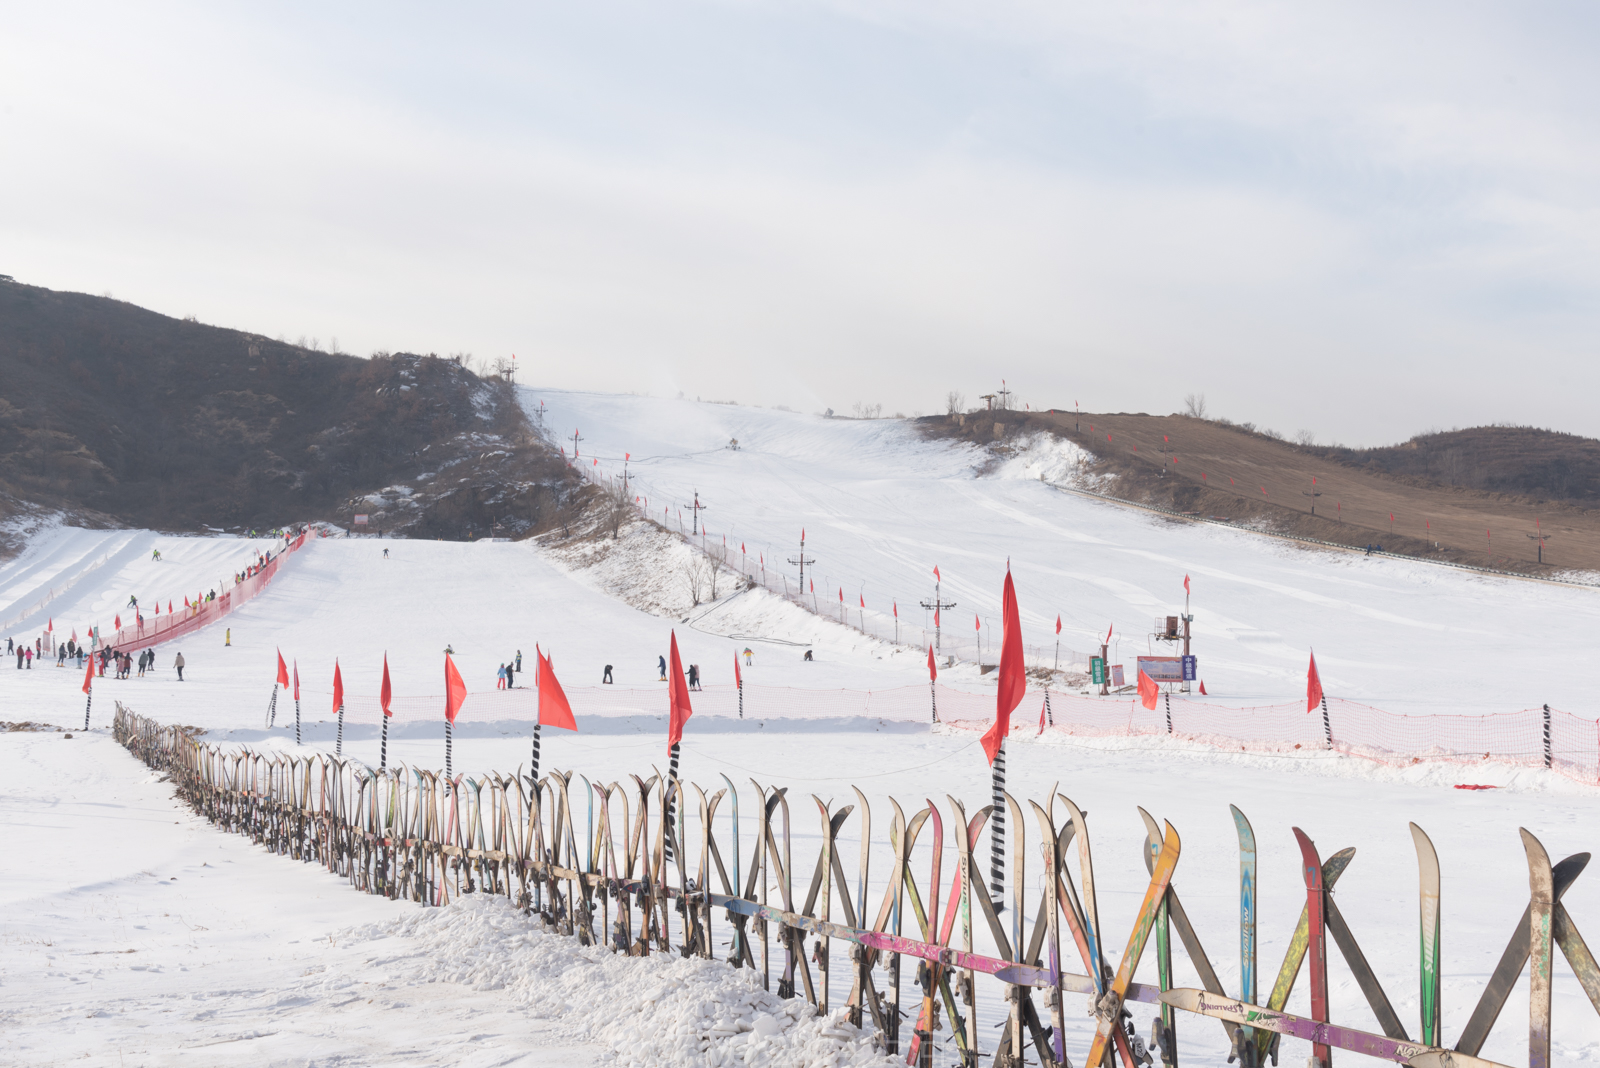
column 672, row 801
column 536, row 727
column 272, row 708
column 338, row 738
column 997, row 836
column 383, row 746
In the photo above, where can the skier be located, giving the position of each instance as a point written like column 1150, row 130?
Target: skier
column 155, row 554
column 449, row 651
column 808, row 655
column 511, row 675
column 30, row 659
column 386, row 554
column 178, row 663
column 607, row 679
column 500, row 678
column 661, row 669
column 19, row 657
column 747, row 655
column 519, row 660
column 694, row 676
column 133, row 602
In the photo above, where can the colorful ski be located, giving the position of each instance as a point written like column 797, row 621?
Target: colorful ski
column 1317, row 1032
column 1247, row 908
column 1541, row 903
column 1447, row 1058
column 1317, row 944
column 1428, row 873
column 1108, row 1011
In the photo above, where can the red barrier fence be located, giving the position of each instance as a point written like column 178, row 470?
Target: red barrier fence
column 1561, row 741
column 155, row 629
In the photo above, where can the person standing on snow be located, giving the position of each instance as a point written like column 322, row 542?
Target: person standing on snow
column 519, row 660
column 500, row 678
column 661, row 669
column 178, row 663
column 511, row 675
column 606, row 679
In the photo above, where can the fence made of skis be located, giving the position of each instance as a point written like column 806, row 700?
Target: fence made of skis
column 895, row 933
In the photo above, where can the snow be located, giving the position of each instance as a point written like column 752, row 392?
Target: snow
column 239, row 956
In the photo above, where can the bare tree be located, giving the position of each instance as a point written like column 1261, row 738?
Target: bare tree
column 1305, row 437
column 619, row 507
column 715, row 566
column 1195, row 404
column 694, row 577
column 867, row 411
column 955, row 402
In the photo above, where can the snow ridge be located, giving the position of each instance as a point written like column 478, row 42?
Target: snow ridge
column 650, row 1012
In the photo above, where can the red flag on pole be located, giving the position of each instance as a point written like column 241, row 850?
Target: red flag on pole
column 455, row 691
column 50, row 627
column 1313, row 685
column 169, row 606
column 1148, row 690
column 936, row 576
column 283, row 670
column 1012, row 675
column 737, row 680
column 338, row 688
column 678, row 696
column 297, row 680
column 1186, row 584
column 88, row 674
column 863, row 600
column 386, row 692
column 1109, row 629
column 1203, row 688
column 933, row 668
column 116, row 622
column 554, row 708
column 897, row 609
column 1058, row 624
column 977, row 623
column 935, row 619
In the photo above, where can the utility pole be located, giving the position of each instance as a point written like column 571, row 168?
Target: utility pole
column 575, row 439
column 937, row 604
column 802, row 560
column 697, row 508
column 1188, row 618
column 1313, row 493
column 1005, row 396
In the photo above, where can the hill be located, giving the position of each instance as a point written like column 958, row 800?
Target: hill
column 120, row 415
column 1471, row 497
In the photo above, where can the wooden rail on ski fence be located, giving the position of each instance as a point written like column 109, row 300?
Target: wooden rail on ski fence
column 649, row 869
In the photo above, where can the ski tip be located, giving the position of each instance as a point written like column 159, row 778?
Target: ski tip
column 1536, row 851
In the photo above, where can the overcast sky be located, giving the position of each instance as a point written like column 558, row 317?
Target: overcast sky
column 1362, row 220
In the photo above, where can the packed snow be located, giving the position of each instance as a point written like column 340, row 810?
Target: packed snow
column 239, row 956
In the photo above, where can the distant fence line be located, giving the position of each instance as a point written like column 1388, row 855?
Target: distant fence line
column 1532, row 737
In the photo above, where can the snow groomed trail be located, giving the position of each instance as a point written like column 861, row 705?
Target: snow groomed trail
column 882, row 507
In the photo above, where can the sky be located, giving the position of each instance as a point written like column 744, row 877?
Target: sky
column 1362, row 220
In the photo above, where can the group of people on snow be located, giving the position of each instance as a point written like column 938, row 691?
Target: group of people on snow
column 506, row 677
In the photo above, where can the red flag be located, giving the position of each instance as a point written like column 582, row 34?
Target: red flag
column 897, row 609
column 116, row 623
column 935, row 619
column 1109, row 629
column 385, row 693
column 741, row 549
column 813, row 585
column 863, row 600
column 169, row 606
column 338, row 688
column 936, row 576
column 1012, row 675
column 1186, row 584
column 1058, row 624
column 88, row 674
column 1391, row 517
column 841, row 595
column 455, row 691
column 1313, row 685
column 933, row 669
column 678, row 696
column 737, row 680
column 297, row 680
column 185, row 602
column 802, row 533
column 50, row 627
column 283, row 670
column 1148, row 690
column 1203, row 688
column 554, row 708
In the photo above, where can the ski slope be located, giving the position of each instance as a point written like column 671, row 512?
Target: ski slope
column 882, row 507
column 246, row 958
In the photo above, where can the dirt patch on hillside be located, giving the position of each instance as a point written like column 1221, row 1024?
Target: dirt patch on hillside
column 1210, row 469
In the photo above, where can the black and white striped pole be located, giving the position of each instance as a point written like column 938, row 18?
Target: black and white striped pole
column 672, row 800
column 1547, row 755
column 997, row 835
column 272, row 708
column 338, row 738
column 536, row 726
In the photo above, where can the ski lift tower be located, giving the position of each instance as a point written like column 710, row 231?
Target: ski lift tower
column 1004, row 396
column 1540, row 537
column 937, row 604
column 697, row 508
column 1313, row 493
column 802, row 560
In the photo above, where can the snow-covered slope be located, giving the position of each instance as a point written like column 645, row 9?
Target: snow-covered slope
column 882, row 507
